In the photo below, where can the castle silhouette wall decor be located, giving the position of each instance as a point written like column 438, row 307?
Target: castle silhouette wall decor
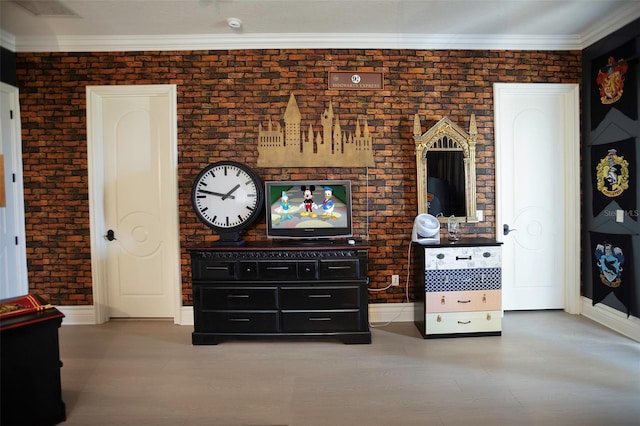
column 291, row 146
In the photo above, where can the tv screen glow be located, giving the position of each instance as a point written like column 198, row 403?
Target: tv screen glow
column 308, row 209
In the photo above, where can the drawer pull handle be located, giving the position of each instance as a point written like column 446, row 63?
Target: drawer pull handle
column 438, row 318
column 277, row 268
column 338, row 267
column 442, row 302
column 237, row 296
column 239, row 319
column 463, row 258
column 216, row 268
column 488, row 317
column 464, row 322
column 484, row 298
column 464, row 301
column 320, row 319
column 319, row 296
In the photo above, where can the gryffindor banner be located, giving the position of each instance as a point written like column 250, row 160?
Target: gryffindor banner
column 613, row 170
column 614, row 270
column 613, row 84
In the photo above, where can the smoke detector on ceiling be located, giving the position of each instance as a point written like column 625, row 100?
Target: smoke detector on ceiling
column 234, row 23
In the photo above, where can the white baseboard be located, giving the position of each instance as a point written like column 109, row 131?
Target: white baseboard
column 78, row 315
column 186, row 315
column 378, row 312
column 612, row 318
column 390, row 312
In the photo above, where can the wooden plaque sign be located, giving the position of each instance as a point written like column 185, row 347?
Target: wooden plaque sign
column 354, row 80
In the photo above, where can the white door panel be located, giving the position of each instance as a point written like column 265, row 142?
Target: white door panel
column 536, row 146
column 13, row 254
column 137, row 141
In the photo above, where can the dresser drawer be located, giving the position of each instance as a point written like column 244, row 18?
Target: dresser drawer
column 247, row 271
column 211, row 269
column 463, row 257
column 320, row 321
column 463, row 322
column 278, row 271
column 461, row 301
column 307, row 298
column 339, row 269
column 239, row 322
column 212, row 298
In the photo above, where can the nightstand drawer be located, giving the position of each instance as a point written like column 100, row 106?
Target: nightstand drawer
column 463, row 279
column 463, row 322
column 460, row 301
column 239, row 322
column 462, row 257
column 320, row 321
column 308, row 298
column 238, row 298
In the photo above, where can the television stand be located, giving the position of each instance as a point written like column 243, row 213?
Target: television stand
column 280, row 292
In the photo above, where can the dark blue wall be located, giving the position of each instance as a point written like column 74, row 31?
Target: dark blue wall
column 7, row 66
column 605, row 126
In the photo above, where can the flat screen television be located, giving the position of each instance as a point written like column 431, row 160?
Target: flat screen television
column 308, row 210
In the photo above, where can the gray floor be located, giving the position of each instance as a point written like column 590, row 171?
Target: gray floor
column 548, row 368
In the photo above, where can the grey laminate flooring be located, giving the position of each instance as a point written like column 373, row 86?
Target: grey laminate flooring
column 548, row 368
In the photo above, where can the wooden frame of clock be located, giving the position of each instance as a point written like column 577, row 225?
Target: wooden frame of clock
column 227, row 196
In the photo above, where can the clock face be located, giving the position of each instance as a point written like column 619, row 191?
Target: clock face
column 227, row 196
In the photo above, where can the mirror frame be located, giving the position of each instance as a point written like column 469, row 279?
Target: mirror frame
column 447, row 136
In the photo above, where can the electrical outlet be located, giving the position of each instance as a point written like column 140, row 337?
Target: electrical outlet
column 395, row 280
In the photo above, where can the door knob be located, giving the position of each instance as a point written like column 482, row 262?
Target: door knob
column 111, row 235
column 506, row 230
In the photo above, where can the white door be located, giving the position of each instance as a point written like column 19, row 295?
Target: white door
column 133, row 146
column 537, row 194
column 13, row 252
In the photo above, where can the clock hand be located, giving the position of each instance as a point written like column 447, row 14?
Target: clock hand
column 204, row 191
column 228, row 194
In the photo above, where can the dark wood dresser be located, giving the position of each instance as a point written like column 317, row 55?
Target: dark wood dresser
column 268, row 291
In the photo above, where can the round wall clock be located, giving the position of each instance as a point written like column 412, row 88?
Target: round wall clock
column 227, row 196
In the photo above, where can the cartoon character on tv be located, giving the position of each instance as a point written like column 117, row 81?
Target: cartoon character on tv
column 285, row 205
column 327, row 204
column 307, row 203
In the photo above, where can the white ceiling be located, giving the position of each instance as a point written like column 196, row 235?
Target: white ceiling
column 100, row 25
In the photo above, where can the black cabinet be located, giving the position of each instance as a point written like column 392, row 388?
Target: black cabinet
column 268, row 291
column 30, row 363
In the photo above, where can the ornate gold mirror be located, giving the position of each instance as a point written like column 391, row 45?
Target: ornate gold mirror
column 446, row 169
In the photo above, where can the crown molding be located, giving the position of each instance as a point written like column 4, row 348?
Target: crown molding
column 610, row 24
column 241, row 41
column 292, row 41
column 7, row 40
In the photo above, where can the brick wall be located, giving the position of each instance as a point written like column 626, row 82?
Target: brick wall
column 222, row 98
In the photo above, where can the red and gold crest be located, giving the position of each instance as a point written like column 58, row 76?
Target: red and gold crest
column 611, row 80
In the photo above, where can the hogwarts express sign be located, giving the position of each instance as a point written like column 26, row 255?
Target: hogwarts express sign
column 353, row 80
